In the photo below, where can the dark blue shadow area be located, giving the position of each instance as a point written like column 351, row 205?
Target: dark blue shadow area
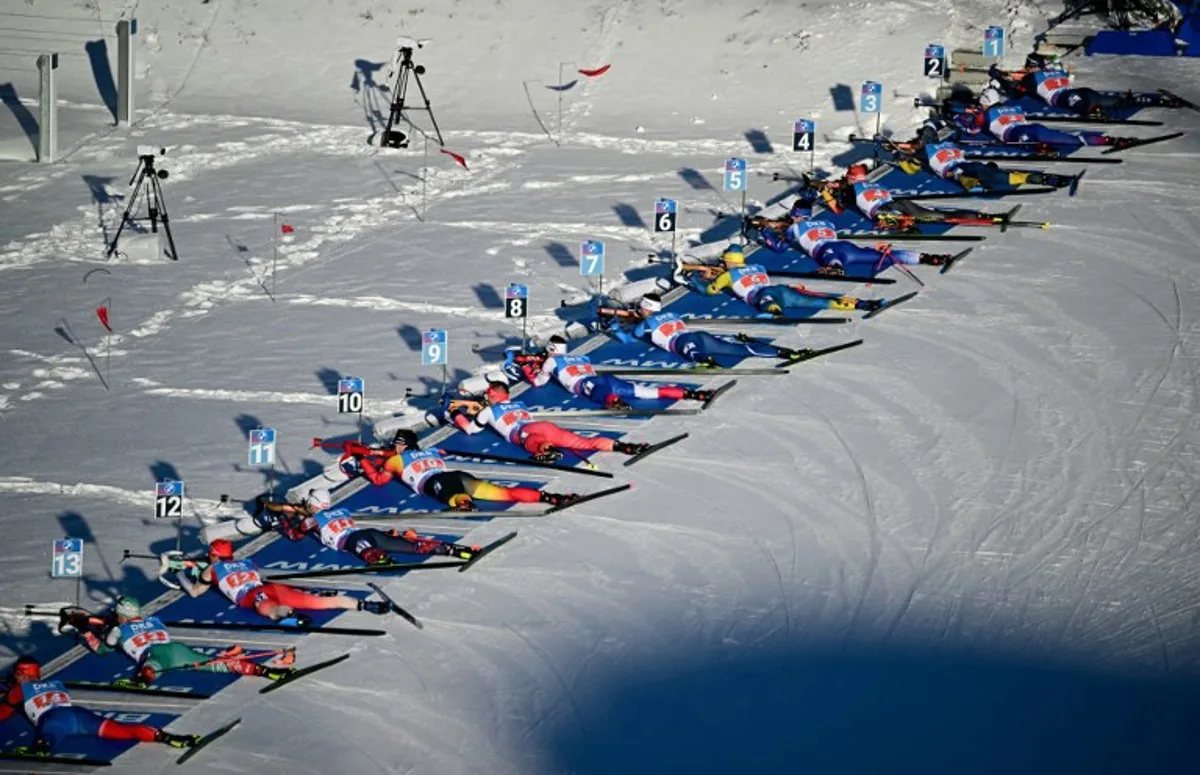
column 629, row 215
column 843, row 97
column 247, row 423
column 411, row 336
column 162, row 471
column 106, row 85
column 488, row 296
column 25, row 119
column 695, row 179
column 370, row 95
column 758, row 141
column 329, row 379
column 873, row 711
column 561, row 254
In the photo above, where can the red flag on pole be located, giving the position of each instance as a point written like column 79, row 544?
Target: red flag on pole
column 460, row 159
column 594, row 73
column 102, row 313
column 286, row 228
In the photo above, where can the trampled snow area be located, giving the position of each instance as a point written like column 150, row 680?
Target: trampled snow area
column 969, row 545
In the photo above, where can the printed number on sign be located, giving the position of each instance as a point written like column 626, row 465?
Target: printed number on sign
column 67, row 564
column 351, row 403
column 514, row 308
column 168, row 506
column 664, row 215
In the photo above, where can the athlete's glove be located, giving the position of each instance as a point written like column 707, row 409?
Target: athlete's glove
column 171, row 561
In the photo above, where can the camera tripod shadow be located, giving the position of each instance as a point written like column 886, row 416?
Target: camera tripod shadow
column 100, row 195
column 536, row 116
column 369, row 94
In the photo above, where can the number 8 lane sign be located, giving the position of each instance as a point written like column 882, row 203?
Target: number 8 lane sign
column 516, row 301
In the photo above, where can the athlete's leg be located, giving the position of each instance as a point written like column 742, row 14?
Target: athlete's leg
column 540, row 436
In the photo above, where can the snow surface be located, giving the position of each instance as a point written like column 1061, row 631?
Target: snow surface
column 967, row 546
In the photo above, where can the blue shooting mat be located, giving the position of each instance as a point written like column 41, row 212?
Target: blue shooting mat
column 553, row 396
column 902, row 184
column 988, row 148
column 396, row 498
column 698, row 306
column 1036, row 108
column 855, row 222
column 641, row 354
column 18, row 731
column 491, row 443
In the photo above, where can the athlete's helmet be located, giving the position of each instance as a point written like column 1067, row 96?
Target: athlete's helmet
column 1037, row 61
column 496, row 392
column 408, row 438
column 319, row 498
column 128, row 607
column 26, row 668
column 557, row 345
column 989, row 97
column 857, row 173
column 651, row 303
column 221, row 549
column 733, row 256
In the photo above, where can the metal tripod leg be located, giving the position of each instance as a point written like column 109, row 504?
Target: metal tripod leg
column 164, row 217
column 133, row 200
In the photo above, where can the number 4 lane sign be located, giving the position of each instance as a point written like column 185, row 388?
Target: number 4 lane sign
column 67, row 560
column 803, row 130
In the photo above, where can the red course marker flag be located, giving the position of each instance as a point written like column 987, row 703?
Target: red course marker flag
column 286, row 228
column 594, row 73
column 102, row 313
column 460, row 159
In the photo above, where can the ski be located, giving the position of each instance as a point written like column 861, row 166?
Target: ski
column 954, row 259
column 670, row 371
column 527, row 462
column 650, row 450
column 984, row 156
column 1043, row 225
column 1089, row 120
column 1006, row 219
column 396, row 609
column 1074, row 187
column 909, row 235
column 588, row 497
column 382, row 568
column 1146, row 141
column 808, row 355
column 969, row 194
column 779, row 320
column 486, row 550
column 840, row 278
column 16, row 756
column 149, row 691
column 301, row 672
column 889, row 303
column 718, row 393
column 568, row 414
column 211, row 737
column 1183, row 103
column 248, row 627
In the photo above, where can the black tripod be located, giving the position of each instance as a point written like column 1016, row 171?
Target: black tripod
column 394, row 138
column 145, row 180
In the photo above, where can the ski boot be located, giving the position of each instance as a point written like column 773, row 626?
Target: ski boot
column 375, row 556
column 615, row 402
column 461, row 502
column 549, row 455
column 377, row 607
column 144, row 676
column 895, row 222
column 935, row 259
column 176, row 741
column 773, row 309
column 870, row 305
column 297, row 620
column 557, row 499
column 629, row 448
column 1117, row 143
column 833, row 270
column 697, row 395
column 39, row 748
column 420, row 545
column 460, row 551
column 272, row 673
column 788, row 355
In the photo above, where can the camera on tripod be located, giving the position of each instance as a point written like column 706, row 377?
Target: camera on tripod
column 403, row 66
column 146, row 154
